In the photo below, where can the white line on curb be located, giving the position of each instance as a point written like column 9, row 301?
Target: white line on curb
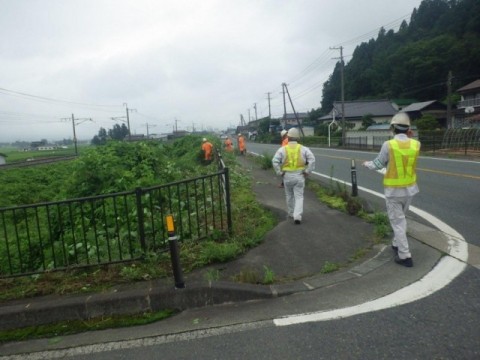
column 447, row 269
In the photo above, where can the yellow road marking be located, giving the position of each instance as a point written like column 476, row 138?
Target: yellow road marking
column 418, row 169
column 449, row 173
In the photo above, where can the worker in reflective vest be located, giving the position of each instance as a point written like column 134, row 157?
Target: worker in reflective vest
column 399, row 157
column 294, row 162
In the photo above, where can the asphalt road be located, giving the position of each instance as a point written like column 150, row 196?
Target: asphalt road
column 444, row 325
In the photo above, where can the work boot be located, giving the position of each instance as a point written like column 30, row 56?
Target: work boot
column 408, row 262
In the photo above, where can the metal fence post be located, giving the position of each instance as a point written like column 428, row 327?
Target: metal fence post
column 227, row 201
column 141, row 226
column 174, row 253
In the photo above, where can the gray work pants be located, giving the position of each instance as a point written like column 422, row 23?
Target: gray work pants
column 294, row 185
column 397, row 208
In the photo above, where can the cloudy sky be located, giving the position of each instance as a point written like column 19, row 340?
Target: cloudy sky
column 190, row 64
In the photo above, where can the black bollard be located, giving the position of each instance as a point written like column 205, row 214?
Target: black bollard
column 354, row 179
column 174, row 253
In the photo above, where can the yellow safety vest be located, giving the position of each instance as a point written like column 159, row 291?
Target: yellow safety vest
column 293, row 158
column 401, row 163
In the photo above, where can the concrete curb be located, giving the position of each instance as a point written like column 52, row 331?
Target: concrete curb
column 156, row 296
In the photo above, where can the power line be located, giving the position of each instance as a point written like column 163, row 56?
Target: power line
column 47, row 99
column 324, row 59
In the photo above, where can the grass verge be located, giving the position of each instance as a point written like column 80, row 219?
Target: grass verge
column 77, row 326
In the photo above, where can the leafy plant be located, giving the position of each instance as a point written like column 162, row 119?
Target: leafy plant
column 329, row 267
column 269, row 275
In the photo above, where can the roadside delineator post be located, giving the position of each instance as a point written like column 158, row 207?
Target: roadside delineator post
column 174, row 252
column 354, row 179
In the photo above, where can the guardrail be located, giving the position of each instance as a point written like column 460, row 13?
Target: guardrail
column 111, row 228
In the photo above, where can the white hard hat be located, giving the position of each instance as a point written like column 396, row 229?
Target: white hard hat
column 239, row 134
column 293, row 133
column 204, row 139
column 400, row 121
column 283, row 132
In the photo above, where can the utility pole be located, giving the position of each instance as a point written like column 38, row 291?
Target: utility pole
column 255, row 107
column 148, row 125
column 449, row 101
column 269, row 108
column 176, row 127
column 294, row 112
column 343, row 91
column 127, row 119
column 249, row 118
column 74, row 135
column 76, row 122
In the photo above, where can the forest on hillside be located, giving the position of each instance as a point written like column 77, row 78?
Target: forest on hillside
column 414, row 62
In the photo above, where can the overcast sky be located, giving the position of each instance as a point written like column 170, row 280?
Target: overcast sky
column 197, row 64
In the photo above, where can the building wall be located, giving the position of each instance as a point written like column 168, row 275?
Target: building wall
column 369, row 135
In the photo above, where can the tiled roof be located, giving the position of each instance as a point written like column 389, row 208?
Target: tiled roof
column 472, row 86
column 357, row 109
column 418, row 106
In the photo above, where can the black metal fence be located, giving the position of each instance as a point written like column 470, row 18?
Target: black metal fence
column 461, row 141
column 111, row 228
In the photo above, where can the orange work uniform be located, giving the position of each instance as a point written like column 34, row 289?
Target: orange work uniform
column 228, row 144
column 207, row 148
column 241, row 144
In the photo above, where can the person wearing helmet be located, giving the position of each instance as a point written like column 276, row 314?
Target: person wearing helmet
column 241, row 144
column 228, row 144
column 284, row 138
column 294, row 162
column 399, row 156
column 207, row 149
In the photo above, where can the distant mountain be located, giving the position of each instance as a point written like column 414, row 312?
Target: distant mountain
column 414, row 62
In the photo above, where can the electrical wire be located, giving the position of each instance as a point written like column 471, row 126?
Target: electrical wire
column 46, row 99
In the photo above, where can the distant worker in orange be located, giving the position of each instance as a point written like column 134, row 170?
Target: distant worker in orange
column 284, row 137
column 228, row 144
column 241, row 144
column 207, row 149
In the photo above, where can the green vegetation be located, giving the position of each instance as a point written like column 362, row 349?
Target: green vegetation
column 120, row 166
column 76, row 326
column 329, row 267
column 413, row 62
column 265, row 160
column 252, row 276
column 14, row 155
column 269, row 275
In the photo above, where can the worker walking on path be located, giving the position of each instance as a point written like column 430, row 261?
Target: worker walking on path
column 399, row 157
column 284, row 137
column 294, row 162
column 207, row 149
column 228, row 144
column 241, row 144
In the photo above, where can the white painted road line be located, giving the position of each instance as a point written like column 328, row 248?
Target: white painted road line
column 447, row 269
